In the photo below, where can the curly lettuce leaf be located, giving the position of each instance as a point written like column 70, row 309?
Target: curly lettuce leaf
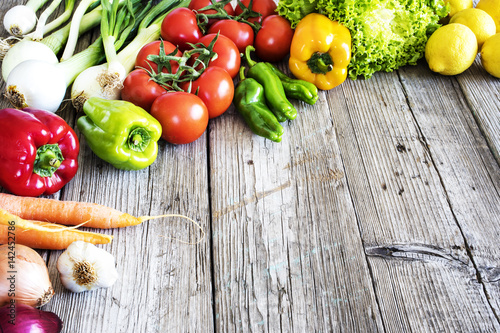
column 386, row 34
column 294, row 11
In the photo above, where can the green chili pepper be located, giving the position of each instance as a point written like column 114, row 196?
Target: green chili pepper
column 294, row 88
column 120, row 133
column 273, row 88
column 250, row 102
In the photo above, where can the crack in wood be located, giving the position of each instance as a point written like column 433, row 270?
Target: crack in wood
column 253, row 198
column 415, row 252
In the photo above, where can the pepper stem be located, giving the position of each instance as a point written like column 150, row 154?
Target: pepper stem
column 249, row 59
column 242, row 73
column 139, row 139
column 48, row 159
column 320, row 63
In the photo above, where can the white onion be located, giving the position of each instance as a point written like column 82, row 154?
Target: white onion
column 23, row 276
column 36, row 84
column 19, row 20
column 26, row 50
column 97, row 81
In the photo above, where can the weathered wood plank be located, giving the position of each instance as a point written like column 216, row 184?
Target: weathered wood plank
column 466, row 166
column 482, row 94
column 287, row 250
column 400, row 200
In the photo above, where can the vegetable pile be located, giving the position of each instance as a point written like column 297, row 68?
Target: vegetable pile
column 386, row 34
column 177, row 61
column 160, row 72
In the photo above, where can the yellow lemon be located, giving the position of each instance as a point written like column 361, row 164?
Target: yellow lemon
column 490, row 55
column 458, row 5
column 451, row 49
column 480, row 22
column 492, row 7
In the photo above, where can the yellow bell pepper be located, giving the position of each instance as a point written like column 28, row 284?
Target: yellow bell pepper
column 320, row 51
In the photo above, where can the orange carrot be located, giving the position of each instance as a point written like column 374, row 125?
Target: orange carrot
column 43, row 235
column 76, row 213
column 67, row 212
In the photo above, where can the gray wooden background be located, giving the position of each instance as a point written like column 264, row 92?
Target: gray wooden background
column 378, row 212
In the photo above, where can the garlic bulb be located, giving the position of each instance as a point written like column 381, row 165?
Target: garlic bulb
column 83, row 267
column 23, row 276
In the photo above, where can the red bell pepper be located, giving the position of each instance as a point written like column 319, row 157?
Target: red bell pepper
column 38, row 152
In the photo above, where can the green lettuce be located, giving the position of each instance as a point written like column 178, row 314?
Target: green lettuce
column 294, row 11
column 386, row 34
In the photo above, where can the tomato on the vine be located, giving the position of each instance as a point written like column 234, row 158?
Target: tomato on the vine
column 139, row 89
column 196, row 5
column 215, row 87
column 153, row 49
column 239, row 32
column 183, row 116
column 264, row 7
column 274, row 38
column 228, row 55
column 180, row 27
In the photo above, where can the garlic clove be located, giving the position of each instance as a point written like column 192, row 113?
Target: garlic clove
column 84, row 267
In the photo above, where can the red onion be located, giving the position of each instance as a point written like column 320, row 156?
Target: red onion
column 21, row 318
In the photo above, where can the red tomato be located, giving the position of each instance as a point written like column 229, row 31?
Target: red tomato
column 240, row 33
column 183, row 116
column 265, row 7
column 195, row 5
column 153, row 48
column 228, row 56
column 215, row 87
column 274, row 38
column 180, row 27
column 138, row 88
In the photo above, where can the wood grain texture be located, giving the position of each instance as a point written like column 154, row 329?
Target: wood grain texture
column 401, row 200
column 467, row 168
column 287, row 251
column 378, row 212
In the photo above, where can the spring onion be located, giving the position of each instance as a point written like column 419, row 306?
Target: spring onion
column 42, row 28
column 47, row 48
column 42, row 85
column 112, row 73
column 75, row 26
column 21, row 19
column 106, row 80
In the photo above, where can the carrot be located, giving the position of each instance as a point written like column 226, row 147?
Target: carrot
column 43, row 235
column 76, row 213
column 67, row 212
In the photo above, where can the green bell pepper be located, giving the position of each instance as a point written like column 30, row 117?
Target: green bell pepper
column 120, row 133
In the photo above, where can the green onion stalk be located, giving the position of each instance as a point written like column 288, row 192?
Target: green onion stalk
column 43, row 85
column 43, row 28
column 80, row 11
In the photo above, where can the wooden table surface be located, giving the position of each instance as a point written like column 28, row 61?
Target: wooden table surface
column 378, row 212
